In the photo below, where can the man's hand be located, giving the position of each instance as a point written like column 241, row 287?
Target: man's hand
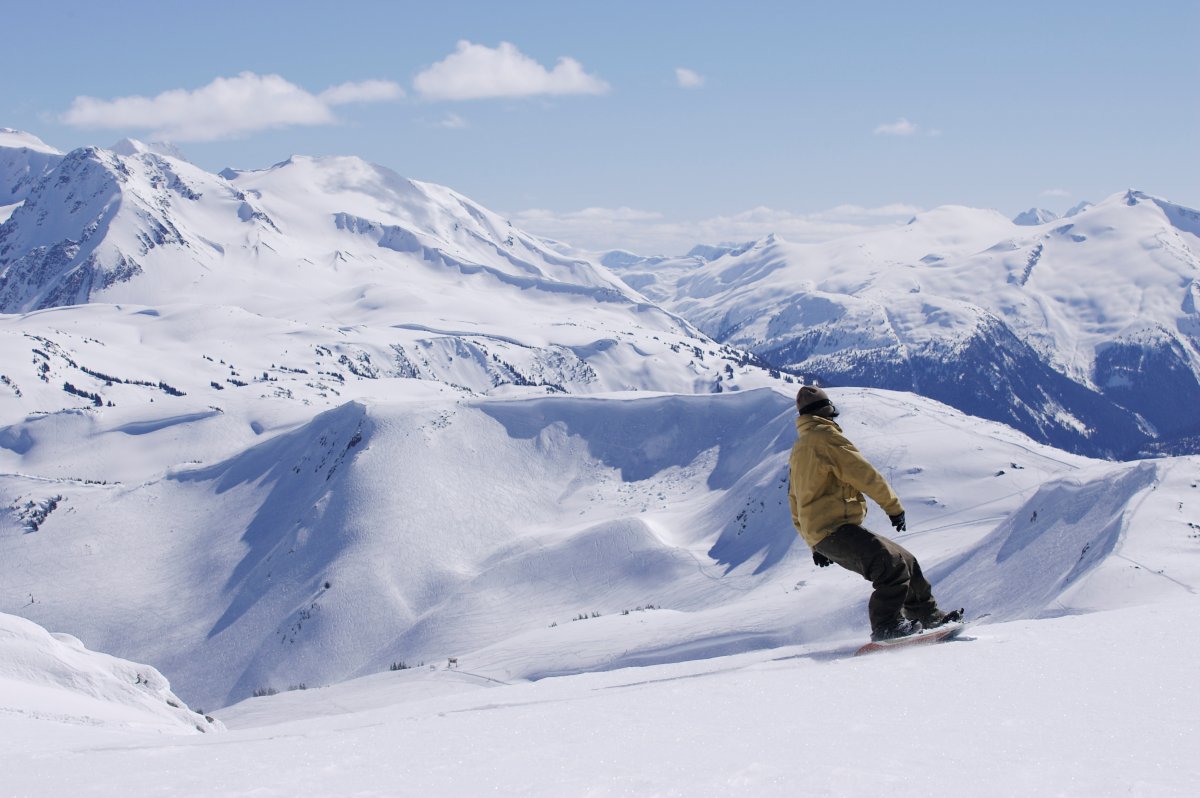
column 821, row 560
column 898, row 521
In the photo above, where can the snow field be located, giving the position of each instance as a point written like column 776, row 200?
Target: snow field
column 1067, row 706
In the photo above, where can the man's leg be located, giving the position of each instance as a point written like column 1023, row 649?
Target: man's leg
column 886, row 565
column 919, row 604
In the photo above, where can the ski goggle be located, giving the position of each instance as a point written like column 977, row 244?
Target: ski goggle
column 820, row 404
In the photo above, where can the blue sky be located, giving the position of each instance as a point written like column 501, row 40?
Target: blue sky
column 648, row 125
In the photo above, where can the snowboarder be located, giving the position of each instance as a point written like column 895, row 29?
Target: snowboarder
column 826, row 485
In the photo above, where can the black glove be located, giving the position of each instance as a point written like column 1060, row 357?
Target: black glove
column 821, row 560
column 898, row 521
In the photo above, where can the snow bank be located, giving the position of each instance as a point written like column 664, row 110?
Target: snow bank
column 1048, row 545
column 1106, row 537
column 53, row 677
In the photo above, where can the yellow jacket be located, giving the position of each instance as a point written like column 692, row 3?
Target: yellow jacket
column 828, row 479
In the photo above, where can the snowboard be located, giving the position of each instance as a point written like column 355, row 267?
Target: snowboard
column 938, row 635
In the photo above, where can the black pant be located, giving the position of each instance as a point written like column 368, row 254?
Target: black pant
column 892, row 570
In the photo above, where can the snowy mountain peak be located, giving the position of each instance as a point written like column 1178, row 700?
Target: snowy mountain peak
column 959, row 217
column 707, row 252
column 1151, row 213
column 1034, row 217
column 24, row 158
column 92, row 222
column 19, row 139
column 618, row 258
column 129, row 146
column 1133, row 197
column 948, row 220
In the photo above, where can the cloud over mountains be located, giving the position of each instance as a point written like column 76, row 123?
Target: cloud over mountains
column 226, row 107
column 476, row 72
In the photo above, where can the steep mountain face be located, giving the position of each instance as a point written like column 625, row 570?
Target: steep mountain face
column 1082, row 331
column 56, row 248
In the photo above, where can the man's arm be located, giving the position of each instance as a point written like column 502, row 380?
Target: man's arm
column 852, row 468
column 793, row 503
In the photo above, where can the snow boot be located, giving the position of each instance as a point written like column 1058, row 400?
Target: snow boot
column 938, row 618
column 900, row 627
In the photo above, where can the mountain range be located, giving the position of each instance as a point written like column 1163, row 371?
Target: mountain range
column 400, row 277
column 299, row 425
column 1083, row 332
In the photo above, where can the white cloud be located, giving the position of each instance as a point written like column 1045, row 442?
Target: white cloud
column 901, row 127
column 475, row 72
column 688, row 79
column 225, row 108
column 367, row 91
column 651, row 233
column 453, row 122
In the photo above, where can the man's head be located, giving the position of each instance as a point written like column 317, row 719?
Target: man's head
column 812, row 401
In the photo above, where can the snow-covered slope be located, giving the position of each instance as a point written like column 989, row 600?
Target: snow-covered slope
column 1083, row 332
column 1080, row 702
column 1081, row 705
column 411, row 531
column 54, row 678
